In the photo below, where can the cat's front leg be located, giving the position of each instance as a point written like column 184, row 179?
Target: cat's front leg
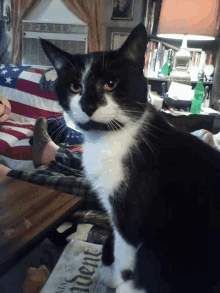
column 111, row 276
column 115, row 273
column 108, row 273
column 128, row 287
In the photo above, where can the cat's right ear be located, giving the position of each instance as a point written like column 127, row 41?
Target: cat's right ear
column 58, row 58
column 135, row 46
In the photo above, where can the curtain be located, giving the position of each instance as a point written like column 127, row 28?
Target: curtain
column 19, row 9
column 89, row 11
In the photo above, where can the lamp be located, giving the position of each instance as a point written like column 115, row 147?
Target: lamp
column 187, row 20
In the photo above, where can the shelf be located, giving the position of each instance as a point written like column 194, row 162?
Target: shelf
column 165, row 80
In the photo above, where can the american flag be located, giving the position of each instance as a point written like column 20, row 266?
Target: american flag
column 9, row 74
column 20, row 86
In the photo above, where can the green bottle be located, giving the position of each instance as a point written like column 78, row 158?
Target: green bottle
column 198, row 98
column 168, row 66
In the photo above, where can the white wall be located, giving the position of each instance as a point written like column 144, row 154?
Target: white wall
column 52, row 11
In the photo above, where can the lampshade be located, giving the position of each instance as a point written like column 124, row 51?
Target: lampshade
column 198, row 19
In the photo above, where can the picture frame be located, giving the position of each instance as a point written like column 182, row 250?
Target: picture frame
column 122, row 9
column 116, row 36
column 117, row 39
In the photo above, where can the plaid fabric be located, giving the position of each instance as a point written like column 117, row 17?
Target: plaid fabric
column 64, row 174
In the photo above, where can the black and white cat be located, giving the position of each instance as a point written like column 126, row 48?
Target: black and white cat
column 160, row 186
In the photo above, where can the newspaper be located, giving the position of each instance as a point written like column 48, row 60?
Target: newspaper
column 77, row 270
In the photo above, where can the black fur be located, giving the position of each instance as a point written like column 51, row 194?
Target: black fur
column 108, row 251
column 173, row 207
column 172, row 204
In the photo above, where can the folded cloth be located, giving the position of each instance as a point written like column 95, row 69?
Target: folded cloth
column 65, row 174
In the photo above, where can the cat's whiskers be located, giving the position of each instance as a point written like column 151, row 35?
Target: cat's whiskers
column 131, row 157
column 56, row 139
column 150, row 133
column 135, row 112
column 113, row 126
column 132, row 111
column 117, row 124
column 54, row 126
column 103, row 60
column 60, row 127
column 153, row 126
column 60, row 133
column 109, row 126
column 135, row 146
column 147, row 143
column 147, row 129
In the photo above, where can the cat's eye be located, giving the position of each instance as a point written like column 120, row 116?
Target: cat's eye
column 76, row 87
column 110, row 85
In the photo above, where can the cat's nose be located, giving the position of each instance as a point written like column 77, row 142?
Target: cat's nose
column 88, row 108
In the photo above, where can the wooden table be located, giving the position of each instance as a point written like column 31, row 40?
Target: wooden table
column 28, row 213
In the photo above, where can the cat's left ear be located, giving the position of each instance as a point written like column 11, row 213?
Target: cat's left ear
column 135, row 46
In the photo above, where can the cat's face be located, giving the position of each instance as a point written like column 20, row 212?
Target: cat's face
column 102, row 91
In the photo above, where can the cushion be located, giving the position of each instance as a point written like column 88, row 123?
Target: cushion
column 48, row 80
column 20, row 85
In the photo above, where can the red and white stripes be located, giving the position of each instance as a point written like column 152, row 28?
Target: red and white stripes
column 28, row 103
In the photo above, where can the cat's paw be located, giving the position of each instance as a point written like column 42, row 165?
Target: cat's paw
column 128, row 287
column 110, row 276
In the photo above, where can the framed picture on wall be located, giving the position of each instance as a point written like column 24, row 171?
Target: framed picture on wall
column 117, row 39
column 6, row 31
column 116, row 36
column 122, row 9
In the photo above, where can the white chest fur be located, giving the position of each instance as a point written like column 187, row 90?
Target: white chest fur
column 102, row 159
